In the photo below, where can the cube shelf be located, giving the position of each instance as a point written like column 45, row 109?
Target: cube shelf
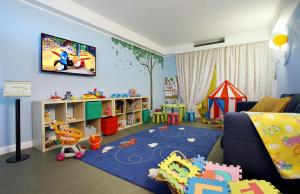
column 84, row 115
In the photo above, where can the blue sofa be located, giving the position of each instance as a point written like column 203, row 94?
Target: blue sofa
column 242, row 146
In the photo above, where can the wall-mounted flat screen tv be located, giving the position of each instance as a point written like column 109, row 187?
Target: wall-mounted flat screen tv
column 65, row 56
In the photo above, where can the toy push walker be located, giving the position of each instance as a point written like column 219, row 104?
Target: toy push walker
column 68, row 138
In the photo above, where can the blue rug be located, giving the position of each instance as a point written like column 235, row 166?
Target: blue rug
column 132, row 163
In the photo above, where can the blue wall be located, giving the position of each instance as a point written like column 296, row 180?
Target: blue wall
column 170, row 65
column 288, row 76
column 21, row 27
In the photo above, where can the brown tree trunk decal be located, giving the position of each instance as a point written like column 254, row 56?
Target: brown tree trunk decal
column 147, row 59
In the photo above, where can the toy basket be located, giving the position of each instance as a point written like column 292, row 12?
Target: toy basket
column 69, row 136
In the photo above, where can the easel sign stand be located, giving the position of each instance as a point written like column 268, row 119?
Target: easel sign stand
column 17, row 89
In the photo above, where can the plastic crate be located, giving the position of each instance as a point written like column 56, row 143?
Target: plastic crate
column 109, row 125
column 146, row 116
column 93, row 110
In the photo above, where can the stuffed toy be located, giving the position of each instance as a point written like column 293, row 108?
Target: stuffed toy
column 48, row 119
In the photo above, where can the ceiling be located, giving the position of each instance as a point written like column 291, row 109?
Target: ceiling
column 176, row 22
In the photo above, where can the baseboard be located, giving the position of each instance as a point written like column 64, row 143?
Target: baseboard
column 12, row 148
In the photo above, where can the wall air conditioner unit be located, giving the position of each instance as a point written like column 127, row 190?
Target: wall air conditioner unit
column 209, row 42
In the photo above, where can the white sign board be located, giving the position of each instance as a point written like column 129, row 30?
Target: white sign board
column 17, row 88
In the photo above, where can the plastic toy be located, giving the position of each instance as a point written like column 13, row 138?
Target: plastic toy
column 253, row 186
column 120, row 95
column 128, row 143
column 132, row 92
column 222, row 172
column 108, row 110
column 153, row 172
column 93, row 94
column 55, row 97
column 88, row 96
column 200, row 162
column 95, row 142
column 68, row 138
column 106, row 149
column 164, row 127
column 90, row 130
column 191, row 140
column 200, row 185
column 98, row 93
column 152, row 145
column 48, row 119
column 179, row 173
column 68, row 95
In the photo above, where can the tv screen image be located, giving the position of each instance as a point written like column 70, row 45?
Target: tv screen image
column 65, row 56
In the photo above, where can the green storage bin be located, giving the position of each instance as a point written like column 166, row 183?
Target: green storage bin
column 146, row 116
column 93, row 110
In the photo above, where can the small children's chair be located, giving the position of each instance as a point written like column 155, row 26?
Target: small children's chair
column 158, row 117
column 190, row 116
column 173, row 118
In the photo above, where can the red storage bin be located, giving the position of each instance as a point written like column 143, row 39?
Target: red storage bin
column 109, row 125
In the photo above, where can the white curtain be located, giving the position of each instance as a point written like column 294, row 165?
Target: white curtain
column 195, row 71
column 251, row 67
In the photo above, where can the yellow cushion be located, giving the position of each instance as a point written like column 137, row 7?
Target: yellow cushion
column 270, row 104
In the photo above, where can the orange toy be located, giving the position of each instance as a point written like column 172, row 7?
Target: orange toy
column 128, row 143
column 68, row 137
column 95, row 142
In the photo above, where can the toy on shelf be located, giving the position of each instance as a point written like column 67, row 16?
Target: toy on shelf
column 88, row 96
column 68, row 95
column 95, row 142
column 98, row 93
column 50, row 139
column 119, row 95
column 130, row 119
column 132, row 92
column 55, row 97
column 48, row 119
column 128, row 143
column 108, row 110
column 68, row 138
column 93, row 94
column 121, row 123
column 70, row 118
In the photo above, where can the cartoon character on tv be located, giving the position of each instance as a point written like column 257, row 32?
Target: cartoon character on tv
column 63, row 62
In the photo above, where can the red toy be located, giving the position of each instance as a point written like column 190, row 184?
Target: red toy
column 163, row 127
column 128, row 143
column 109, row 125
column 55, row 97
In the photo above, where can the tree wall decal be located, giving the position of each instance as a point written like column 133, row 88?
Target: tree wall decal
column 147, row 59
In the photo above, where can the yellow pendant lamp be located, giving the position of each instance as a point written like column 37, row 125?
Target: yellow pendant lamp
column 280, row 39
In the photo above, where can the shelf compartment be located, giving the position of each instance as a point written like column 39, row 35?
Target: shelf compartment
column 75, row 112
column 57, row 111
column 96, row 123
column 119, row 106
column 121, row 121
column 145, row 103
column 133, row 105
column 107, row 107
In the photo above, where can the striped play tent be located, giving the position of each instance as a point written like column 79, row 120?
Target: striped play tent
column 223, row 100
